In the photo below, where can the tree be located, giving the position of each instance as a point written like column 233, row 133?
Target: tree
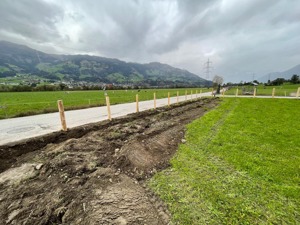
column 278, row 81
column 217, row 81
column 62, row 86
column 295, row 79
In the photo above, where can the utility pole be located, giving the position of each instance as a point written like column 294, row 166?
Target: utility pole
column 207, row 68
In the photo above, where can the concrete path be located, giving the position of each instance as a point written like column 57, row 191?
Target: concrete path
column 17, row 129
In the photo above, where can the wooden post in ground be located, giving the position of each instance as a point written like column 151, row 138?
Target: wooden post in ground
column 168, row 98
column 237, row 92
column 137, row 102
column 154, row 98
column 62, row 114
column 223, row 92
column 273, row 92
column 177, row 97
column 298, row 92
column 108, row 107
column 254, row 92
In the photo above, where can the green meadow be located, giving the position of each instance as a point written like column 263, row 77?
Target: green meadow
column 282, row 90
column 240, row 165
column 14, row 104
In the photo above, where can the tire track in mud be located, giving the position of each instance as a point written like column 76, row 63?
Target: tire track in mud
column 96, row 176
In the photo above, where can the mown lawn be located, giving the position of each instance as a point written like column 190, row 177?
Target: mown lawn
column 240, row 165
column 14, row 104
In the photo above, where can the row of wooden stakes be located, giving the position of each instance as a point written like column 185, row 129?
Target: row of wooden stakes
column 273, row 92
column 63, row 117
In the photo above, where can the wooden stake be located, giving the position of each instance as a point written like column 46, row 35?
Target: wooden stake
column 254, row 92
column 177, row 97
column 62, row 114
column 168, row 98
column 237, row 92
column 137, row 102
column 273, row 92
column 185, row 95
column 108, row 107
column 298, row 92
column 223, row 92
column 154, row 98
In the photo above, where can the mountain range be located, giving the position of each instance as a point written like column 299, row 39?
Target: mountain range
column 17, row 60
column 287, row 74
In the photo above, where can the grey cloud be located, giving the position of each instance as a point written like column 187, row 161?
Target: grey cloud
column 239, row 36
column 120, row 29
column 249, row 43
column 31, row 19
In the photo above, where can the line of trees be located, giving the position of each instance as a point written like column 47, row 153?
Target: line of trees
column 279, row 81
column 63, row 87
column 45, row 87
column 295, row 79
column 27, row 88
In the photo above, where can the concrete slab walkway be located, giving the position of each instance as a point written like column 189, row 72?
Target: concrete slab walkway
column 17, row 129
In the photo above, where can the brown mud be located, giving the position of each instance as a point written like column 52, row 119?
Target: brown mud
column 94, row 174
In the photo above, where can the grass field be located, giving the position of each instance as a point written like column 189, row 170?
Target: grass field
column 14, row 104
column 283, row 90
column 240, row 165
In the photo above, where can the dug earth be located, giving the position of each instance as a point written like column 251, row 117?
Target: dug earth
column 97, row 173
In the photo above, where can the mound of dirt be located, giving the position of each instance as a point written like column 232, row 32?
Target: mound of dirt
column 94, row 174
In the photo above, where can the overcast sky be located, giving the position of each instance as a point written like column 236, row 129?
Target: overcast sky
column 240, row 37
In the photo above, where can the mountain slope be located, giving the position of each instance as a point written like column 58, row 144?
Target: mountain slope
column 18, row 59
column 285, row 74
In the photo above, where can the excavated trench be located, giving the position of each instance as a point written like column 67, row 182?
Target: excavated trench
column 94, row 174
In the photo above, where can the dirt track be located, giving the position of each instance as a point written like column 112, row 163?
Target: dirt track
column 94, row 174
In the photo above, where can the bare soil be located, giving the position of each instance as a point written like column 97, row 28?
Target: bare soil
column 94, row 174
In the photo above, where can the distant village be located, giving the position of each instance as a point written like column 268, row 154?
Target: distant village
column 28, row 83
column 62, row 85
column 34, row 83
